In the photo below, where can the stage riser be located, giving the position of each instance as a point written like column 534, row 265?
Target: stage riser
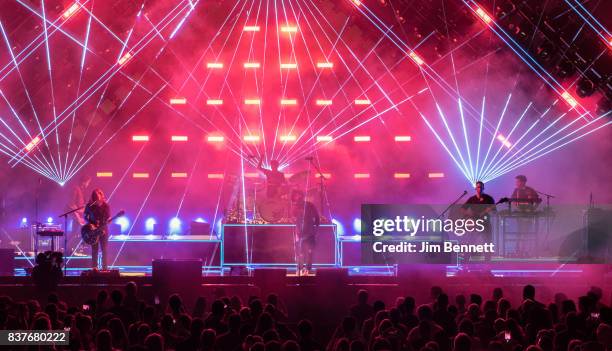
column 274, row 245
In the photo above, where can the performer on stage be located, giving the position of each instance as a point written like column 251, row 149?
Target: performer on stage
column 77, row 200
column 480, row 206
column 307, row 222
column 275, row 179
column 524, row 197
column 97, row 212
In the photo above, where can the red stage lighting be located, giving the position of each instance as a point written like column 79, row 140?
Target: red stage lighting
column 214, row 65
column 483, row 15
column 140, row 175
column 179, row 175
column 403, row 138
column 215, row 139
column 324, row 102
column 178, row 101
column 362, row 102
column 362, row 139
column 104, row 174
column 214, row 102
column 70, row 11
column 125, row 58
column 361, row 175
column 179, row 138
column 140, row 138
column 401, row 175
column 436, row 175
column 32, row 143
column 569, row 99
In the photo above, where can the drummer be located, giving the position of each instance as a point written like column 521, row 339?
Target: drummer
column 275, row 179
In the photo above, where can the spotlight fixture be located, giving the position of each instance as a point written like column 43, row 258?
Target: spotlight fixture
column 585, row 87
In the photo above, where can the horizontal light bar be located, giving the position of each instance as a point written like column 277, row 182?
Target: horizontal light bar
column 140, row 138
column 214, row 102
column 321, row 102
column 214, row 65
column 252, row 65
column 362, row 102
column 321, row 138
column 215, row 175
column 288, row 138
column 32, row 143
column 251, row 175
column 104, row 174
column 401, row 175
column 436, row 175
column 140, row 175
column 362, row 138
column 569, row 99
column 70, row 11
column 356, row 2
column 178, row 101
column 289, row 29
column 215, row 138
column 251, row 138
column 288, row 102
column 326, row 175
column 504, row 141
column 325, row 65
column 483, row 15
column 179, row 175
column 361, row 175
column 416, row 58
column 125, row 58
column 179, row 138
column 251, row 28
column 252, row 102
column 403, row 138
column 288, row 65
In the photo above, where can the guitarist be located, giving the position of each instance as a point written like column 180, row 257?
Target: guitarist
column 97, row 213
column 480, row 206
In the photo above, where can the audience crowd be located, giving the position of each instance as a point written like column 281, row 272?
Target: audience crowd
column 122, row 321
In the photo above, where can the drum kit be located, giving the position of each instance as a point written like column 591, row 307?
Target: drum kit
column 275, row 208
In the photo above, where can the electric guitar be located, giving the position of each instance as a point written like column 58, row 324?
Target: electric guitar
column 90, row 232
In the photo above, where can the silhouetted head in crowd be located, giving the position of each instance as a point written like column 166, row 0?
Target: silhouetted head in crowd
column 362, row 297
column 529, row 292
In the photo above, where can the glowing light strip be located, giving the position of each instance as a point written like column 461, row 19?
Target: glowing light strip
column 70, row 11
column 179, row 175
column 252, row 102
column 215, row 175
column 483, row 15
column 402, row 138
column 251, row 28
column 178, row 101
column 140, row 138
column 289, row 29
column 104, row 174
column 416, row 58
column 326, row 175
column 435, row 175
column 361, row 175
column 362, row 138
column 324, row 102
column 32, row 143
column 214, row 65
column 215, row 139
column 140, row 175
column 288, row 102
column 287, row 138
column 251, row 138
column 401, row 175
column 322, row 138
column 251, row 65
column 288, row 65
column 363, row 102
column 179, row 138
column 124, row 59
column 214, row 102
column 569, row 99
column 325, row 65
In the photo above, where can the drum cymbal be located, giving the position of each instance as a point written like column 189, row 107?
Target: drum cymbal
column 299, row 177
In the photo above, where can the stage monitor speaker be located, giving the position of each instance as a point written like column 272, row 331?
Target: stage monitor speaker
column 199, row 228
column 177, row 273
column 270, row 279
column 7, row 262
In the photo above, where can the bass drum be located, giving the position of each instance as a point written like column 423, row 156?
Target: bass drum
column 273, row 210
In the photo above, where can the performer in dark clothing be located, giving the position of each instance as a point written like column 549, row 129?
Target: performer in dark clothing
column 97, row 212
column 478, row 207
column 275, row 179
column 307, row 222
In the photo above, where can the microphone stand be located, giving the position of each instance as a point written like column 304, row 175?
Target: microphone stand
column 452, row 204
column 65, row 215
column 548, row 197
